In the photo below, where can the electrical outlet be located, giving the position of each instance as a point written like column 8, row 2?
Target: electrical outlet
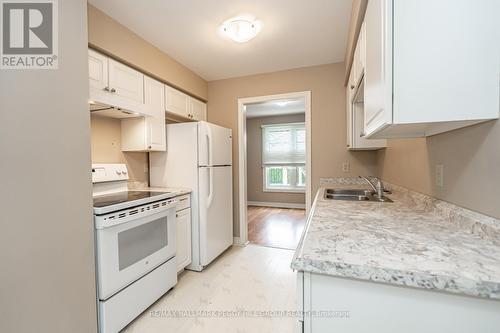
column 439, row 177
column 346, row 167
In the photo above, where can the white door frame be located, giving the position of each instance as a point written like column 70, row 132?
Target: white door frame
column 242, row 154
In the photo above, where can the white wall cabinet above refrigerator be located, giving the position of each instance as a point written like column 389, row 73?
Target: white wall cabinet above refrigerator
column 431, row 66
column 176, row 102
column 198, row 109
column 147, row 133
column 115, row 84
column 182, row 106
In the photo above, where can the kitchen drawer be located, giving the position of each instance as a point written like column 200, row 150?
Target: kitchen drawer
column 184, row 202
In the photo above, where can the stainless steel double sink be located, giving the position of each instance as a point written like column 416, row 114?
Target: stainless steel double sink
column 354, row 195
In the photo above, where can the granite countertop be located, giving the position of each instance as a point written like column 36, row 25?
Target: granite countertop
column 416, row 241
column 174, row 191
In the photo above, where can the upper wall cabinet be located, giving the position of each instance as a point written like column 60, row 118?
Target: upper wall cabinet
column 356, row 139
column 176, row 102
column 115, row 84
column 358, row 66
column 126, row 83
column 431, row 66
column 147, row 133
column 198, row 109
column 98, row 71
column 180, row 105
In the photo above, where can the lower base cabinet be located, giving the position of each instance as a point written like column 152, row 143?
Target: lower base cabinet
column 183, row 238
column 334, row 304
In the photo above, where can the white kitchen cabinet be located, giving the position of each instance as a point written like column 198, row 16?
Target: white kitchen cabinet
column 114, row 84
column 355, row 306
column 198, row 109
column 431, row 66
column 126, row 83
column 98, row 71
column 359, row 58
column 356, row 139
column 147, row 133
column 176, row 102
column 349, row 96
column 183, row 239
column 184, row 107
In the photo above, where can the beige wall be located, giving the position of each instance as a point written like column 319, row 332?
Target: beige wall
column 47, row 279
column 328, row 118
column 114, row 39
column 254, row 160
column 471, row 159
column 106, row 148
column 109, row 36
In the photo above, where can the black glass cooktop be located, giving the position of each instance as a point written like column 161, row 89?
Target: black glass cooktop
column 120, row 197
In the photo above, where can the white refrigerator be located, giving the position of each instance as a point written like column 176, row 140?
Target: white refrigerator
column 199, row 157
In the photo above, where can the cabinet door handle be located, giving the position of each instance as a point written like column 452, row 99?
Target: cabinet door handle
column 106, row 89
column 113, row 90
column 352, row 86
column 149, row 147
column 362, row 134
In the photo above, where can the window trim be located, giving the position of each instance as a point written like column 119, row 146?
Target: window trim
column 295, row 189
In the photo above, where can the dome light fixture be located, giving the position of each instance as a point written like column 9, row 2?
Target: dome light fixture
column 240, row 29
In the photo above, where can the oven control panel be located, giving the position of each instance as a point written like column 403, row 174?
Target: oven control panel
column 134, row 213
column 109, row 172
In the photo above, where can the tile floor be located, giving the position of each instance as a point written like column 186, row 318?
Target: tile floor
column 251, row 278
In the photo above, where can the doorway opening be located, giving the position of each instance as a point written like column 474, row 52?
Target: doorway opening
column 274, row 168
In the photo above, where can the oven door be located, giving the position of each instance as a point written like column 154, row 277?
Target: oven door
column 128, row 251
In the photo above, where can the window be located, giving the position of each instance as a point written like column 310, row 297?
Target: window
column 283, row 157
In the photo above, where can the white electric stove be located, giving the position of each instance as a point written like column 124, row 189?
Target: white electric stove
column 135, row 246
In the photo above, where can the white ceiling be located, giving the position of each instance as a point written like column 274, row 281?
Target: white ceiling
column 295, row 33
column 276, row 108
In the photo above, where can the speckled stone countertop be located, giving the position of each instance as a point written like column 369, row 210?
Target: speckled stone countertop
column 416, row 241
column 174, row 191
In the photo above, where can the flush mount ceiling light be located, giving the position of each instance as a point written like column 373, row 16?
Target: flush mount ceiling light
column 240, row 29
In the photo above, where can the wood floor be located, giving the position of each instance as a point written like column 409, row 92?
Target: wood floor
column 275, row 227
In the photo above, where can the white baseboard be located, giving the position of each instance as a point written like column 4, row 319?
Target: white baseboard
column 276, row 204
column 237, row 242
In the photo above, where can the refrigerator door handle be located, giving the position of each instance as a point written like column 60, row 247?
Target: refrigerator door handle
column 210, row 186
column 209, row 144
column 209, row 162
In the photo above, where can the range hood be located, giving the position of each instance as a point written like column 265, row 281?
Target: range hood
column 111, row 111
